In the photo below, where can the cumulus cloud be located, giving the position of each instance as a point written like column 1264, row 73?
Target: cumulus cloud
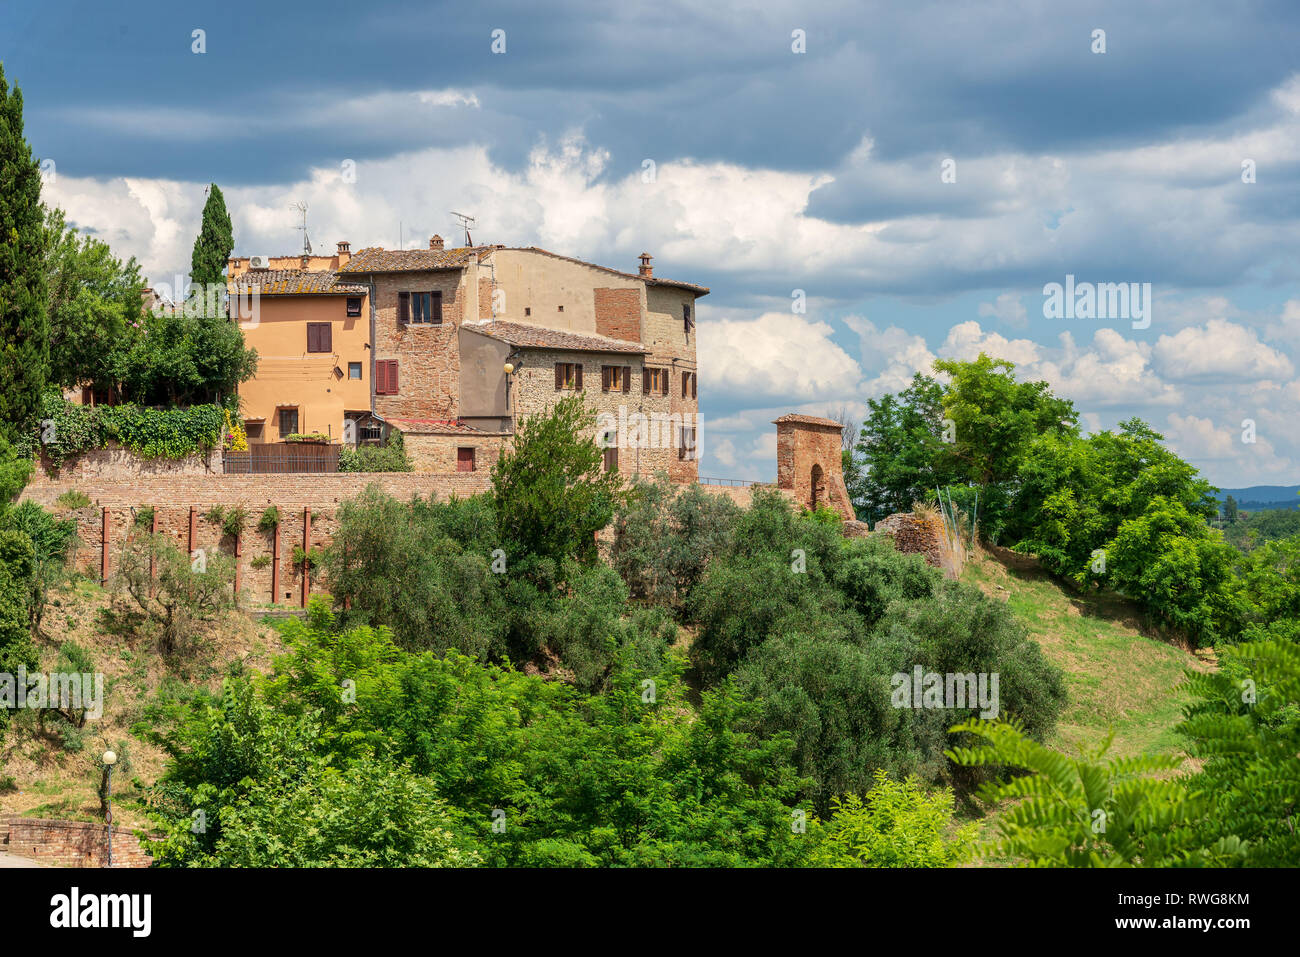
column 1219, row 350
column 776, row 354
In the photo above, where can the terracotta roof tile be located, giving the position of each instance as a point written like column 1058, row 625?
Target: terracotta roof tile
column 296, row 282
column 540, row 337
column 376, row 259
column 800, row 419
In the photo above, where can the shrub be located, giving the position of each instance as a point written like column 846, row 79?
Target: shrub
column 150, row 433
column 183, row 593
column 52, row 539
column 261, row 561
column 232, row 524
column 391, row 457
column 896, row 824
column 269, row 520
column 143, row 517
column 72, row 500
column 665, row 536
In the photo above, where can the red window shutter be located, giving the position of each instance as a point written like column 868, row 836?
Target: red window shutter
column 559, row 376
column 393, row 387
column 577, row 377
column 379, row 377
column 403, row 307
column 436, row 306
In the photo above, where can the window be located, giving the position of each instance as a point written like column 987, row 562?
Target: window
column 568, row 375
column 528, row 310
column 686, row 318
column 421, row 307
column 288, row 422
column 354, row 305
column 655, row 382
column 561, row 309
column 689, row 384
column 320, row 337
column 615, row 378
column 254, row 431
column 354, row 370
column 611, row 459
column 385, row 377
column 686, row 445
column 465, row 460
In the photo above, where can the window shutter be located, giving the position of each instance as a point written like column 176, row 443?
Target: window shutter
column 392, row 377
column 605, row 373
column 436, row 315
column 645, row 381
column 695, row 385
column 559, row 376
column 686, row 383
column 312, row 337
column 627, row 378
column 327, row 337
column 577, row 377
column 403, row 307
column 380, row 377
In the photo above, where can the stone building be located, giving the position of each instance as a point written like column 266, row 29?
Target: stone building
column 446, row 324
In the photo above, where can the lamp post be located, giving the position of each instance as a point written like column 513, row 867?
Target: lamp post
column 110, row 759
column 511, row 400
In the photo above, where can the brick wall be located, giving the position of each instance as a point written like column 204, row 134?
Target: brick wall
column 925, row 536
column 115, row 462
column 808, row 454
column 71, row 843
column 618, row 313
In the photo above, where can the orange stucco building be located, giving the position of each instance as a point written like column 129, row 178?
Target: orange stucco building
column 312, row 336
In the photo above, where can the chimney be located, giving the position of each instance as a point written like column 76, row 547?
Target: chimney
column 344, row 254
column 306, row 261
column 646, row 271
column 435, row 242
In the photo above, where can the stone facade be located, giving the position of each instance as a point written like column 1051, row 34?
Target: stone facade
column 809, row 463
column 439, row 452
column 428, row 360
column 659, row 431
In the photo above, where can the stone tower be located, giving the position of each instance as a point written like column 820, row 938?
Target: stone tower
column 808, row 462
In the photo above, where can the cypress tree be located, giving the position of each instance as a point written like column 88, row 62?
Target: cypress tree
column 24, row 315
column 216, row 240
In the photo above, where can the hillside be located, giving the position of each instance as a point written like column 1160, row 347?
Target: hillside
column 1263, row 496
column 56, row 776
column 1118, row 677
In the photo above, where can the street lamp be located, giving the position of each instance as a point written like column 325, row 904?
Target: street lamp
column 110, row 759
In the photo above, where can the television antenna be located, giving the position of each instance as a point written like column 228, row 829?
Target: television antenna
column 306, row 243
column 466, row 222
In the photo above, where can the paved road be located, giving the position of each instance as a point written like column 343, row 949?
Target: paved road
column 13, row 860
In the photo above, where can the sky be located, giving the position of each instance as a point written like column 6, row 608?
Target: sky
column 865, row 187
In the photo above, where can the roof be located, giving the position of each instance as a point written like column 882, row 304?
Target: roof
column 438, row 427
column 377, row 259
column 297, row 282
column 795, row 418
column 648, row 280
column 540, row 337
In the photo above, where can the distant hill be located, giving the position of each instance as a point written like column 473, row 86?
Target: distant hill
column 1263, row 496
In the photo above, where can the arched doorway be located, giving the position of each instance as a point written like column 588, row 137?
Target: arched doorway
column 817, row 486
